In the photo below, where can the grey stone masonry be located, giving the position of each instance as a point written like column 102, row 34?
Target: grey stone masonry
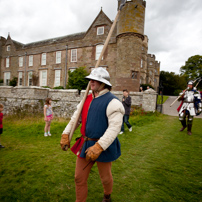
column 64, row 102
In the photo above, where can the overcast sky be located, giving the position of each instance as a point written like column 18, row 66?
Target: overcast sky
column 174, row 27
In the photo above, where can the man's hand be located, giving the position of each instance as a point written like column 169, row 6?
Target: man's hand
column 92, row 153
column 64, row 142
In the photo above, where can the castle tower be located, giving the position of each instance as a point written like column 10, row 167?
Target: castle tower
column 130, row 36
column 143, row 66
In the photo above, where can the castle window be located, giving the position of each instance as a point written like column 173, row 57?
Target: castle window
column 71, row 69
column 30, row 78
column 141, row 63
column 58, row 57
column 20, row 79
column 31, row 60
column 134, row 75
column 98, row 51
column 43, row 78
column 151, row 63
column 8, row 48
column 43, row 59
column 74, row 55
column 7, row 62
column 100, row 30
column 7, row 78
column 20, row 61
column 141, row 80
column 57, row 78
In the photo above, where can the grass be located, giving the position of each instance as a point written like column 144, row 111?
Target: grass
column 158, row 163
column 159, row 99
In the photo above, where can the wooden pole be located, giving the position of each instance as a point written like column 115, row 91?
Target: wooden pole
column 88, row 87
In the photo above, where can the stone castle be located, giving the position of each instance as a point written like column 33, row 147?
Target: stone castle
column 47, row 62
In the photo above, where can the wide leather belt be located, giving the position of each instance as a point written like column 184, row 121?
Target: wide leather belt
column 85, row 139
column 90, row 139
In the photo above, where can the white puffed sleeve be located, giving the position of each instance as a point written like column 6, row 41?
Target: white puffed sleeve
column 115, row 112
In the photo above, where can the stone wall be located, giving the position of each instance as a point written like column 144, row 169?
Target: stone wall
column 31, row 100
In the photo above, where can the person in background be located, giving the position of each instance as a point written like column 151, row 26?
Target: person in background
column 190, row 106
column 126, row 101
column 141, row 89
column 1, row 123
column 48, row 116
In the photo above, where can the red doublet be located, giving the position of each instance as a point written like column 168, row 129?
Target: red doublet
column 76, row 147
column 178, row 109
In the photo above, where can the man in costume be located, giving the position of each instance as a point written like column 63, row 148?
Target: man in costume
column 189, row 107
column 101, row 119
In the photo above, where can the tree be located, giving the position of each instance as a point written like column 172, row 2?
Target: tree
column 77, row 79
column 172, row 83
column 192, row 68
column 13, row 82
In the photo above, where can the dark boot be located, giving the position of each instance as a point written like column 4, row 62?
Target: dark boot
column 189, row 129
column 106, row 198
column 183, row 125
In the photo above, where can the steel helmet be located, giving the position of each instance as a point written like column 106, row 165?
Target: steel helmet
column 190, row 82
column 100, row 74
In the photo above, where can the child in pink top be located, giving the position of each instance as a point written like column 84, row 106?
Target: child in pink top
column 48, row 116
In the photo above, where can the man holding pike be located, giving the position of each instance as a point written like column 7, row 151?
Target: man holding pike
column 101, row 120
column 189, row 107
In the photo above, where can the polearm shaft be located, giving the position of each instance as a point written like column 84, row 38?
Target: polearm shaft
column 198, row 82
column 178, row 98
column 97, row 65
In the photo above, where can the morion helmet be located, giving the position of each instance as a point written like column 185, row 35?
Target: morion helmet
column 190, row 82
column 100, row 74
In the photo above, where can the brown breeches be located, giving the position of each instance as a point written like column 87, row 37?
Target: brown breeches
column 81, row 177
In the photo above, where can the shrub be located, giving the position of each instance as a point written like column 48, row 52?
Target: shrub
column 177, row 92
column 45, row 87
column 58, row 87
column 137, row 110
column 13, row 82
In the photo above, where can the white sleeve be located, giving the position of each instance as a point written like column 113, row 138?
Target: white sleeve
column 115, row 112
column 68, row 128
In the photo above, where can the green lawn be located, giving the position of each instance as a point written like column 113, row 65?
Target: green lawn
column 158, row 163
column 160, row 100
